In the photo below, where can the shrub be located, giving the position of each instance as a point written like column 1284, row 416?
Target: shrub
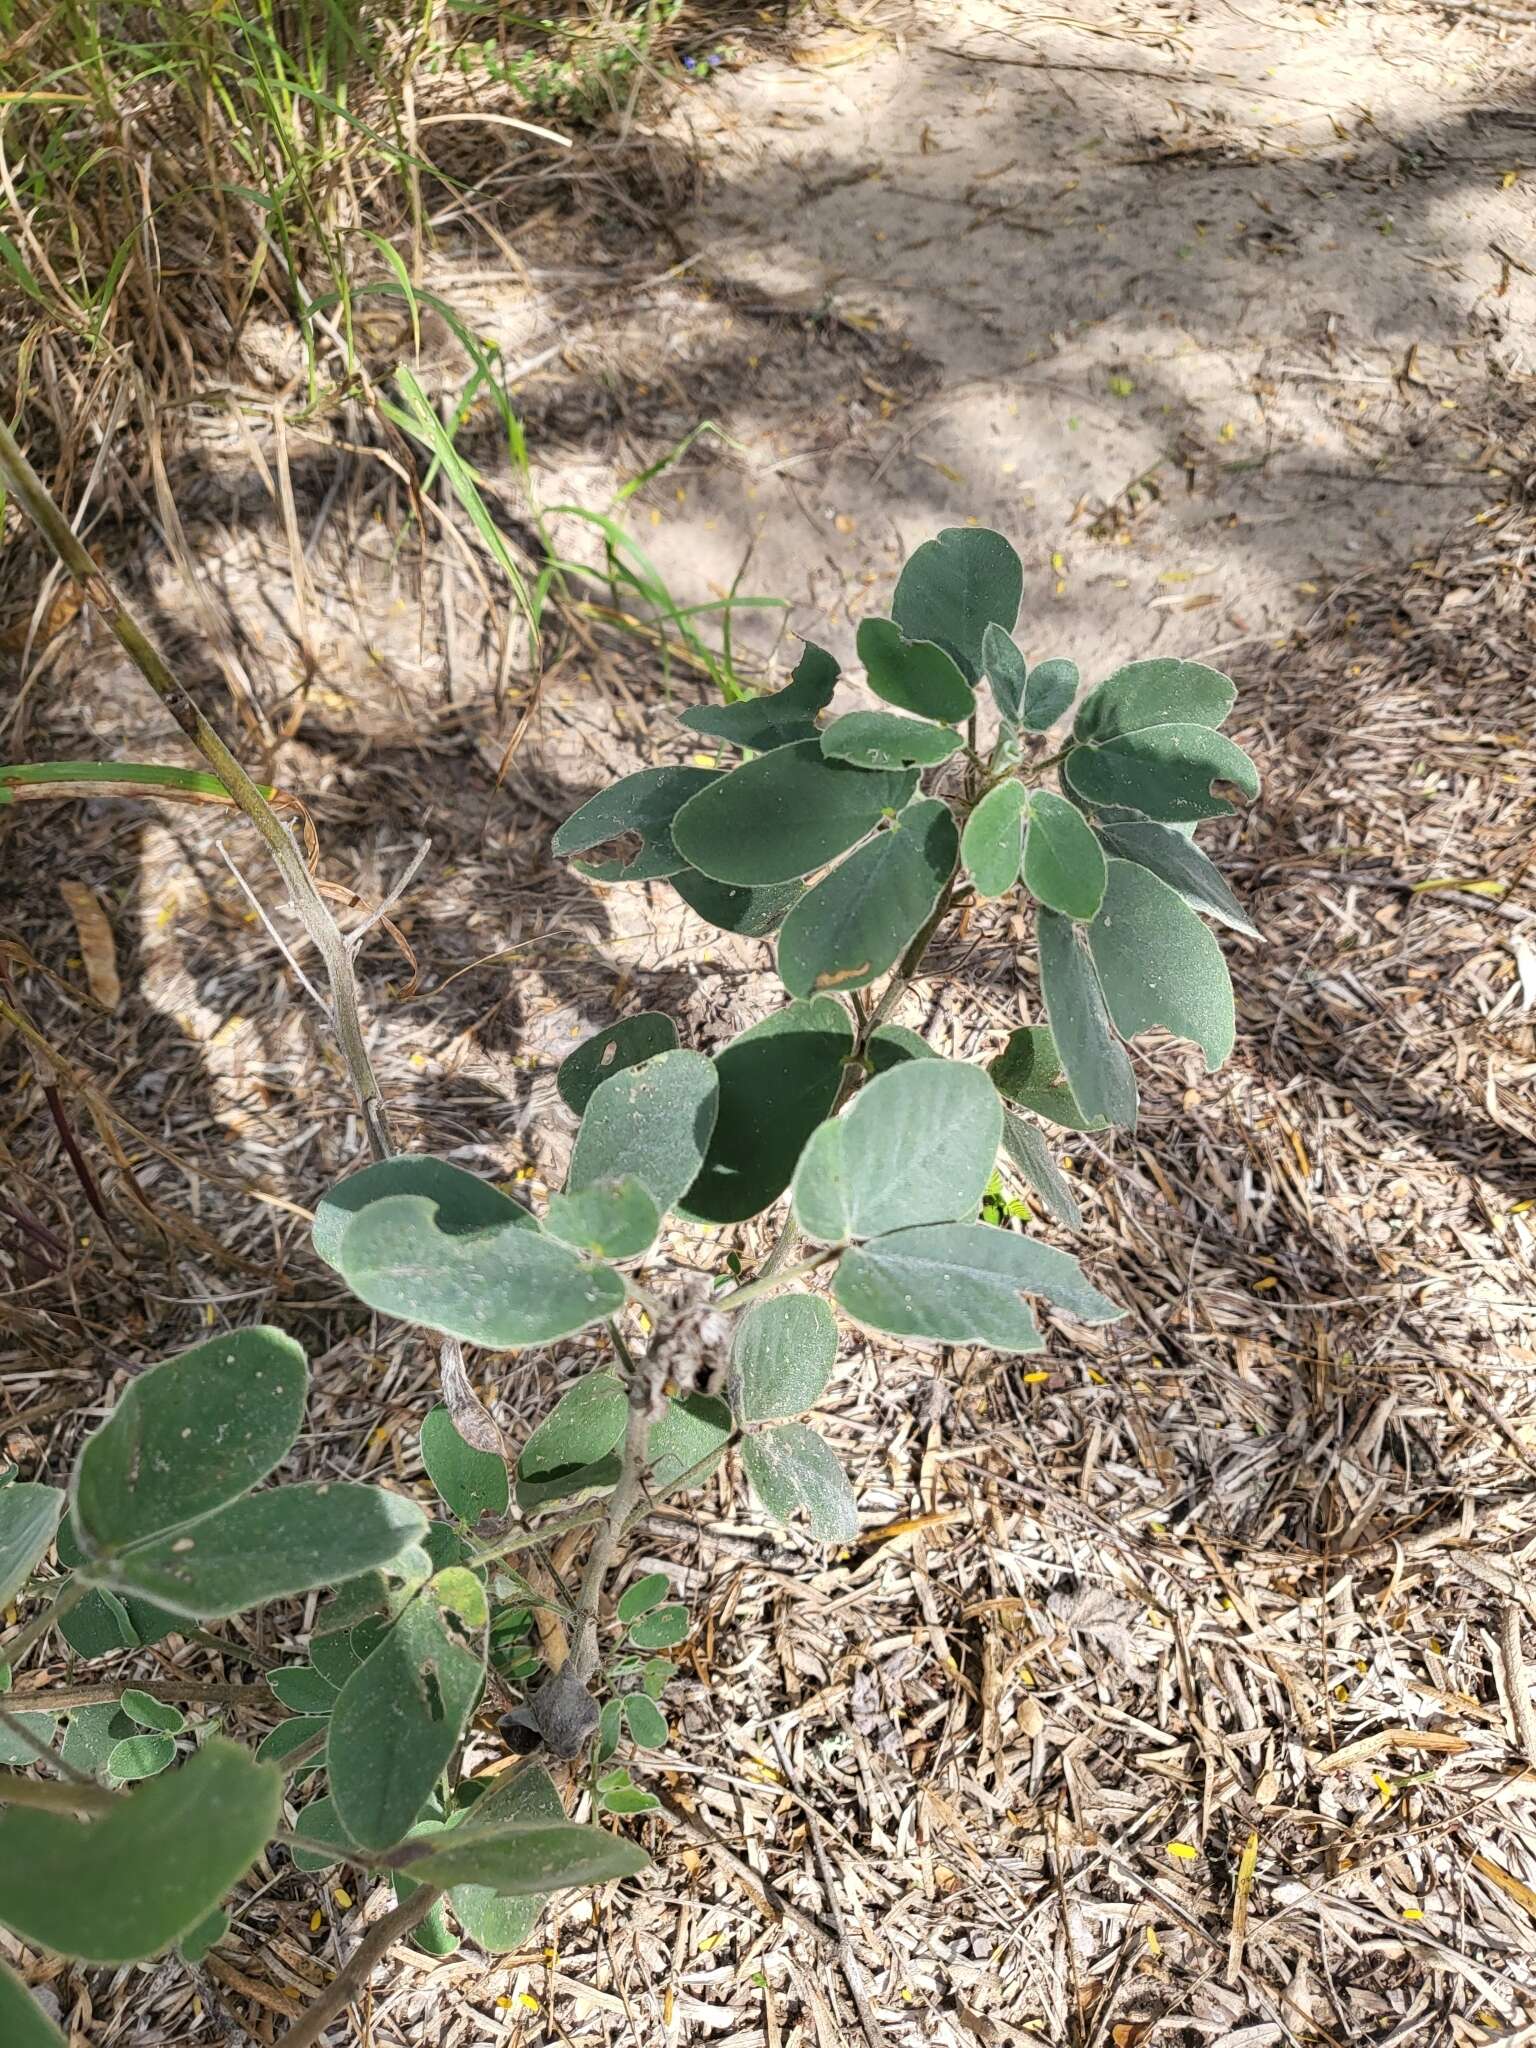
column 887, row 1157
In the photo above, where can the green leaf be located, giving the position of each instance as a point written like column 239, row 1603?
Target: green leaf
column 89, row 1736
column 397, row 1723
column 992, row 845
column 893, row 1045
column 1003, row 666
column 465, row 1204
column 793, row 1471
column 962, row 1283
column 881, row 739
column 609, row 1052
column 1158, row 964
column 1049, row 692
column 1063, row 862
column 611, row 1219
column 1174, row 860
column 689, row 1436
column 779, row 817
column 190, row 1435
column 778, row 1080
column 140, row 1756
column 208, row 1932
column 662, row 1630
column 1027, row 1148
column 527, row 1858
column 647, row 1723
column 917, row 1145
column 653, row 1121
column 1159, row 692
column 782, row 1356
column 302, row 1689
column 102, row 1624
column 641, row 1597
column 954, row 587
column 505, row 1287
column 1094, row 1062
column 266, row 1547
column 28, row 1517
column 1028, row 1071
column 23, row 2023
column 778, row 720
column 157, row 1715
column 645, row 805
column 129, row 1884
column 15, row 1751
column 1164, row 771
column 618, row 1793
column 752, row 913
column 469, row 1483
column 858, row 921
column 914, row 674
column 280, row 1742
column 573, row 1440
column 322, row 1823
column 495, row 1924
column 332, row 1653
column 657, row 1676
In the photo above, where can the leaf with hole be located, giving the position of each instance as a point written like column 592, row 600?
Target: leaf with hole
column 750, row 912
column 1063, row 861
column 687, row 1438
column 653, row 1121
column 397, row 1722
column 787, row 813
column 992, row 845
column 1174, row 860
column 469, row 1482
column 89, row 1736
column 883, row 739
column 1166, row 772
column 28, row 1517
column 157, row 1715
column 505, row 1287
column 954, row 587
column 1027, row 1148
column 963, row 1283
column 526, row 1858
column 189, row 1436
column 268, row 1546
column 859, row 920
column 778, row 1080
column 642, row 807
column 914, row 674
column 1028, row 1071
column 23, row 2023
column 917, row 1145
column 610, row 1219
column 1049, row 692
column 1097, row 1071
column 574, row 1442
column 465, row 1204
column 793, row 1472
column 1159, row 965
column 140, row 1756
column 1003, row 666
column 782, row 1357
column 609, row 1052
column 1158, row 692
column 647, row 1723
column 500, row 1925
column 778, row 720
column 126, row 1885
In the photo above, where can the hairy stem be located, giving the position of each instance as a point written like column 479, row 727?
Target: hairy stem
column 621, row 1504
column 11, row 1653
column 381, row 1936
column 767, row 1282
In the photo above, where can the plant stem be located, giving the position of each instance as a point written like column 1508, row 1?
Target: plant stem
column 766, row 1282
column 52, row 1797
column 622, row 1503
column 11, row 1653
column 381, row 1936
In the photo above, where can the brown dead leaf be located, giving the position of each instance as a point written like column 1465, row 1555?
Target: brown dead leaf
column 97, row 948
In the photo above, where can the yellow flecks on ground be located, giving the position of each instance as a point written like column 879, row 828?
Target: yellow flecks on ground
column 1154, row 1946
column 1508, row 179
column 1385, row 1787
column 503, row 2003
column 316, row 1921
column 1183, row 1852
column 710, row 1943
column 1058, row 561
column 845, row 522
column 1467, row 885
column 1035, row 1379
column 1263, row 1286
column 342, row 1897
column 210, row 1315
column 1413, row 1912
column 1228, row 431
column 527, row 2001
column 655, row 516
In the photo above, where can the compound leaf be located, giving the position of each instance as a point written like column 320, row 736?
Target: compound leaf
column 140, row 1756
column 574, row 1440
column 1063, row 861
column 1164, row 771
column 782, row 1357
column 857, row 921
column 302, row 1689
column 750, row 912
column 954, row 587
column 127, row 1885
column 499, row 1925
column 398, row 1719
column 882, row 739
column 641, row 1597
column 914, row 674
column 992, row 845
column 1093, row 1060
column 157, row 1715
column 609, row 1052
column 464, row 1203
column 917, row 1145
column 517, row 1859
column 1158, row 692
column 793, row 1471
column 28, row 1517
column 469, row 1482
column 1158, row 964
column 778, row 720
column 778, row 1080
column 1174, row 860
column 611, row 1219
column 189, row 1436
column 1049, row 692
column 1004, row 668
column 1028, row 1071
column 777, row 818
column 647, row 1723
column 962, row 1283
column 653, row 1121
column 643, row 805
